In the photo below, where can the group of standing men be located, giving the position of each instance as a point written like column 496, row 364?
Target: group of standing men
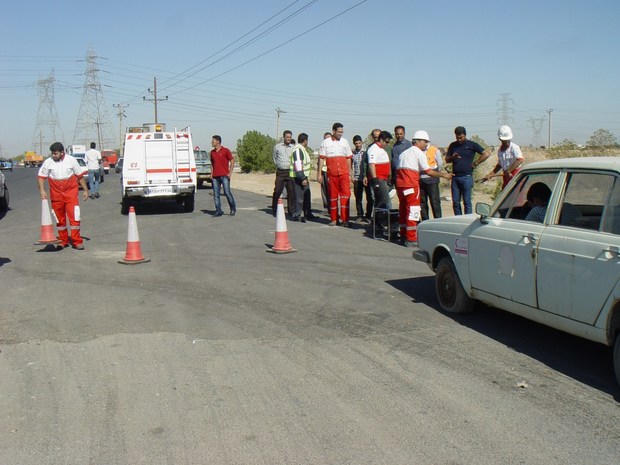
column 371, row 171
column 414, row 168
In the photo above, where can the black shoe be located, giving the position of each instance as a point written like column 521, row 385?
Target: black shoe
column 294, row 218
column 91, row 196
column 62, row 246
column 219, row 214
column 233, row 212
column 303, row 220
column 310, row 216
column 97, row 195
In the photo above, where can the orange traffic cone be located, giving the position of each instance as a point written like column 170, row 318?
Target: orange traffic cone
column 282, row 244
column 133, row 254
column 47, row 230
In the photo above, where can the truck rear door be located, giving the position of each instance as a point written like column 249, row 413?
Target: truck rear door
column 160, row 161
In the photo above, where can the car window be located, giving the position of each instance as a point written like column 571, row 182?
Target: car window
column 585, row 199
column 516, row 205
column 611, row 215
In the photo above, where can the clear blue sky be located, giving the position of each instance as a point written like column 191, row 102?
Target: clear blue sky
column 426, row 65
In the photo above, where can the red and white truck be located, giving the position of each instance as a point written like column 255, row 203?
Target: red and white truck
column 158, row 164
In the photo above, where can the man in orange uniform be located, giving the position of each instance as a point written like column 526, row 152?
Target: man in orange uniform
column 63, row 174
column 336, row 152
column 411, row 163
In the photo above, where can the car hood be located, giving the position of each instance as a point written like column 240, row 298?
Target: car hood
column 430, row 232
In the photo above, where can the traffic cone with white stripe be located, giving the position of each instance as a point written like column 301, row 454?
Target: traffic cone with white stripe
column 47, row 230
column 282, row 244
column 133, row 253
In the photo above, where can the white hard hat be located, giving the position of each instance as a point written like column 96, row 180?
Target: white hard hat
column 421, row 135
column 504, row 133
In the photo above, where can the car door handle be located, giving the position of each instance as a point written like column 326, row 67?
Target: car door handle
column 529, row 238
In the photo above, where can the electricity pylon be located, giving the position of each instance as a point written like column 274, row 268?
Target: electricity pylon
column 47, row 128
column 93, row 122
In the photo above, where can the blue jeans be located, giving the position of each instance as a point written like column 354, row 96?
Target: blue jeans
column 461, row 189
column 93, row 179
column 224, row 181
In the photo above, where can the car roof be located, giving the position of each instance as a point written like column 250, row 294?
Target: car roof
column 604, row 163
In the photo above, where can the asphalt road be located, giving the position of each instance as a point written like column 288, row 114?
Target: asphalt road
column 218, row 352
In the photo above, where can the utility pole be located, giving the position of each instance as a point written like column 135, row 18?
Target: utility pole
column 98, row 123
column 121, row 115
column 549, row 138
column 278, row 111
column 155, row 100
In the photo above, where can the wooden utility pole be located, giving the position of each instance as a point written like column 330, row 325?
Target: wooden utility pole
column 155, row 100
column 549, row 136
column 278, row 111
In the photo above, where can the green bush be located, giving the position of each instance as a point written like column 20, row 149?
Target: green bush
column 255, row 151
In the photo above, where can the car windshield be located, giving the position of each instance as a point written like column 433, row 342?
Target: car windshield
column 201, row 155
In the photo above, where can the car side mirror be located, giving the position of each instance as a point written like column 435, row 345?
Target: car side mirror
column 484, row 210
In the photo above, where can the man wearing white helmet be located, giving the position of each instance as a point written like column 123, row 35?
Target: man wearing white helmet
column 509, row 157
column 411, row 163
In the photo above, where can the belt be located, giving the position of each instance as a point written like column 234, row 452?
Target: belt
column 461, row 175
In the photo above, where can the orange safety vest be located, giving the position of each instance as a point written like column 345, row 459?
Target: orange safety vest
column 430, row 156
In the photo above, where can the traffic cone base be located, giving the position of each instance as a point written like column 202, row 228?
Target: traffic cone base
column 47, row 230
column 133, row 253
column 282, row 244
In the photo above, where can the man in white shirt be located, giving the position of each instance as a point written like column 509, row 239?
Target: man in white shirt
column 93, row 161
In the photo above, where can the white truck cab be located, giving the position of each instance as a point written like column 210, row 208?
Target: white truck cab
column 158, row 164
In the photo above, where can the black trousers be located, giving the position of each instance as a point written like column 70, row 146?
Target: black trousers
column 429, row 193
column 283, row 178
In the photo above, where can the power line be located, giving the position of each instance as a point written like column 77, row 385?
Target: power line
column 276, row 47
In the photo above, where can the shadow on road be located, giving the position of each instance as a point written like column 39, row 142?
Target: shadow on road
column 586, row 361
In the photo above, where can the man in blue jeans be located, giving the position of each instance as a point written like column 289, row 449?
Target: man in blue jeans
column 222, row 165
column 461, row 153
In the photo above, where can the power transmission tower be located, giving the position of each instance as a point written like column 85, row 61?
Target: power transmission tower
column 47, row 127
column 93, row 122
column 278, row 111
column 537, row 124
column 505, row 110
column 155, row 100
column 121, row 114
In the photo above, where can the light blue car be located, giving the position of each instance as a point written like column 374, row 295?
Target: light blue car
column 548, row 249
column 6, row 165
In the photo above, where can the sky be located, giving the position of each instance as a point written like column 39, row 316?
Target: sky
column 227, row 67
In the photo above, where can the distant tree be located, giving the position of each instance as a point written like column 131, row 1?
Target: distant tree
column 255, row 152
column 479, row 140
column 602, row 138
column 566, row 144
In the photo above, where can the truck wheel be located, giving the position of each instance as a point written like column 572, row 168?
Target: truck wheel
column 4, row 201
column 125, row 204
column 450, row 293
column 617, row 358
column 198, row 184
column 189, row 203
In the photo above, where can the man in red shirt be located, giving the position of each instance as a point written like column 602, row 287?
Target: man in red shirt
column 222, row 165
column 63, row 173
column 336, row 152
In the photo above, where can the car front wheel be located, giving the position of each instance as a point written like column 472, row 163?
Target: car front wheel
column 450, row 293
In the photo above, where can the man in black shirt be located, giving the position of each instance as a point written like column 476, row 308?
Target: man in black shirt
column 461, row 153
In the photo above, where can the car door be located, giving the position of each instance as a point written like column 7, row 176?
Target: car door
column 502, row 248
column 579, row 260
